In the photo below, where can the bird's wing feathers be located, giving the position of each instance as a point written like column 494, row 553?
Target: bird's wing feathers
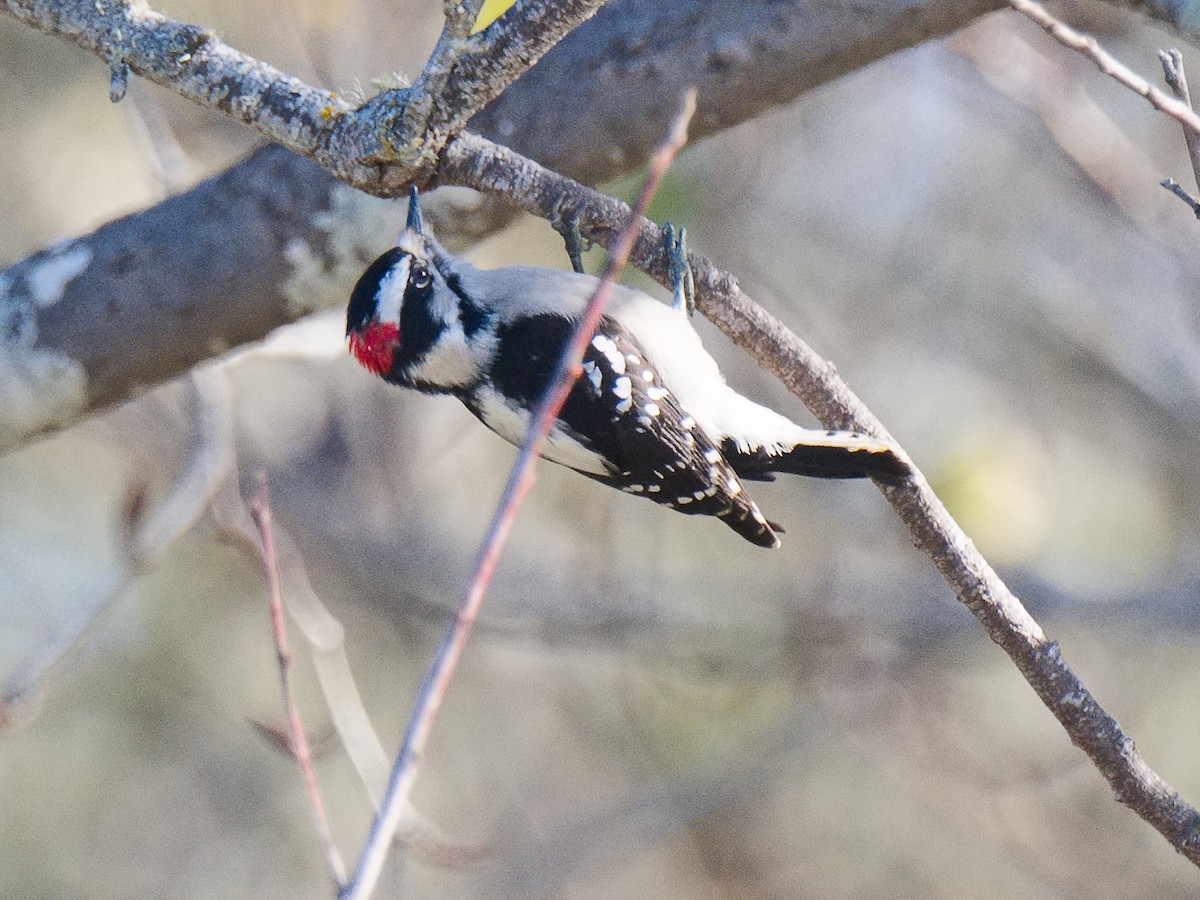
column 661, row 451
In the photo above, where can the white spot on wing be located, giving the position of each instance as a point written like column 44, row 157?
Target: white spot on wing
column 593, row 373
column 623, row 388
column 605, row 345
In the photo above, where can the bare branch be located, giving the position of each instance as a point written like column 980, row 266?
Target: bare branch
column 381, row 147
column 477, row 163
column 260, row 511
column 1176, row 79
column 194, row 63
column 520, row 481
column 1179, row 191
column 96, row 320
column 1107, row 63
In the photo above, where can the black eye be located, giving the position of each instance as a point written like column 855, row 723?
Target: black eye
column 420, row 277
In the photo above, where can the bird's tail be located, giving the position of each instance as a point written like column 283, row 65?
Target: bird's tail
column 819, row 454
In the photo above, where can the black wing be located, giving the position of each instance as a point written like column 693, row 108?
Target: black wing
column 659, row 450
column 619, row 410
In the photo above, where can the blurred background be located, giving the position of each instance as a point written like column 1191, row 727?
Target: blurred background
column 971, row 230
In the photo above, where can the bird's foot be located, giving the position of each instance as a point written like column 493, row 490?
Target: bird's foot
column 679, row 273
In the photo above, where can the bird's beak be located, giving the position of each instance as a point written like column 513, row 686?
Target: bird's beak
column 414, row 212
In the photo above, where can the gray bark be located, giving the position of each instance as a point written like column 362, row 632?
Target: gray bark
column 148, row 296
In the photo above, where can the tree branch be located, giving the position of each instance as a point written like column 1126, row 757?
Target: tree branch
column 96, row 320
column 379, row 147
column 1107, row 63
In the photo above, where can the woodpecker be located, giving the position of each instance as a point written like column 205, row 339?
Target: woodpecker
column 651, row 413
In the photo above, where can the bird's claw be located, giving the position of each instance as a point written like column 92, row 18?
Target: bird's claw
column 568, row 227
column 679, row 273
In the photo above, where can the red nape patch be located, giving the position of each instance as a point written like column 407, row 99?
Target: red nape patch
column 374, row 344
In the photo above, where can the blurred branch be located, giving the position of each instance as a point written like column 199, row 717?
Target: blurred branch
column 1181, row 192
column 146, row 535
column 260, row 512
column 326, row 639
column 471, row 161
column 1152, row 355
column 1176, row 79
column 93, row 321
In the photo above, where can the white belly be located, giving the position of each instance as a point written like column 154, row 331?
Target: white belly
column 559, row 446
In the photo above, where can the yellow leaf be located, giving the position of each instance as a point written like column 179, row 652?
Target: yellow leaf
column 489, row 13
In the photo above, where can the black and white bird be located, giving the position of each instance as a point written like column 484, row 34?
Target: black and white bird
column 651, row 414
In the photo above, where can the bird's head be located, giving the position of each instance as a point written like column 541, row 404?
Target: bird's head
column 388, row 319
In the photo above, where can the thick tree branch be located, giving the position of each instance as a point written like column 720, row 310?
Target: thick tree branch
column 379, row 147
column 96, row 320
column 472, row 161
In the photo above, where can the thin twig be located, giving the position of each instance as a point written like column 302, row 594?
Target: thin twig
column 260, row 511
column 1176, row 79
column 326, row 641
column 1107, row 63
column 520, row 481
column 1181, row 192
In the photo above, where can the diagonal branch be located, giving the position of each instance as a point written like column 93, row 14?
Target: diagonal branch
column 472, row 161
column 260, row 512
column 1088, row 46
column 520, row 482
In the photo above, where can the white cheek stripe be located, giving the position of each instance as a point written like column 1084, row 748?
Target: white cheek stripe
column 391, row 292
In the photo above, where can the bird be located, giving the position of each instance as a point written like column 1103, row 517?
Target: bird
column 651, row 414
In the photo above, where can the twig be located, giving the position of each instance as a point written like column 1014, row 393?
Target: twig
column 1107, row 63
column 470, row 160
column 260, row 511
column 1181, row 192
column 1176, row 79
column 327, row 646
column 520, row 481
